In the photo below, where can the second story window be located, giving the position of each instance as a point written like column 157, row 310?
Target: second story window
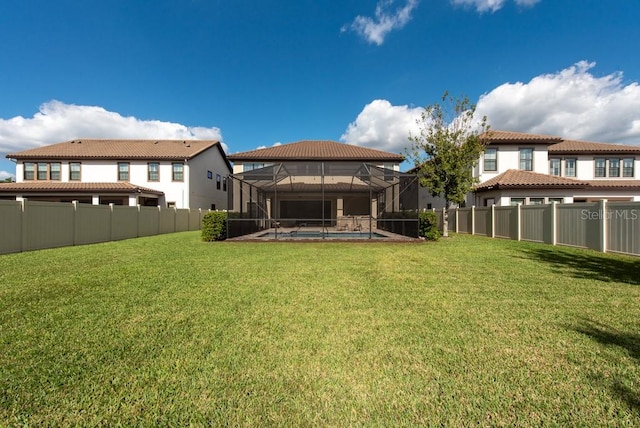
column 570, row 167
column 42, row 171
column 218, row 181
column 491, row 159
column 123, row 171
column 29, row 173
column 614, row 167
column 54, row 171
column 177, row 172
column 153, row 171
column 74, row 171
column 526, row 159
column 627, row 167
column 600, row 167
column 554, row 167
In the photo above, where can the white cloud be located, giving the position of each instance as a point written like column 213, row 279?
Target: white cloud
column 490, row 5
column 6, row 174
column 572, row 103
column 56, row 122
column 374, row 30
column 383, row 126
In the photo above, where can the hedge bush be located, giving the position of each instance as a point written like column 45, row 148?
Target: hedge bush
column 214, row 226
column 429, row 225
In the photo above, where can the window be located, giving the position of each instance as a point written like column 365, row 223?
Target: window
column 554, row 167
column 614, row 167
column 224, row 184
column 491, row 159
column 123, row 171
column 29, row 171
column 601, row 169
column 526, row 159
column 536, row 201
column 177, row 172
column 210, row 175
column 54, row 171
column 516, row 201
column 570, row 167
column 42, row 171
column 627, row 167
column 218, row 180
column 558, row 200
column 153, row 171
column 389, row 173
column 74, row 171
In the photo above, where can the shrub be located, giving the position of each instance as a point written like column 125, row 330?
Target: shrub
column 429, row 225
column 214, row 226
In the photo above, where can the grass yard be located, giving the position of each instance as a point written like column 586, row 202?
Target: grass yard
column 169, row 330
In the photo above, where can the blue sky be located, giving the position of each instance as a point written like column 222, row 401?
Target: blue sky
column 258, row 73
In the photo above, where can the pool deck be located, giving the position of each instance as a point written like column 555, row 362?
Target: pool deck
column 293, row 234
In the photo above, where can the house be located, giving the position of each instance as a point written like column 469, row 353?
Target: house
column 522, row 168
column 317, row 183
column 168, row 173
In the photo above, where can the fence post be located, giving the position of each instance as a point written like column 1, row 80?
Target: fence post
column 493, row 220
column 554, row 223
column 519, row 222
column 603, row 225
column 138, row 222
column 23, row 225
column 75, row 221
column 457, row 218
column 473, row 219
column 111, row 222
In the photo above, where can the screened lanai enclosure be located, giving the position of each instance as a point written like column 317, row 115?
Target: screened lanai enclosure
column 322, row 199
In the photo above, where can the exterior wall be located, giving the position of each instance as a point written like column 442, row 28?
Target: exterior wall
column 203, row 192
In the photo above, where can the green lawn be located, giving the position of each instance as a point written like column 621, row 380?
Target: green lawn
column 169, row 330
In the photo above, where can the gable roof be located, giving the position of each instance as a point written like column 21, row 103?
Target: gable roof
column 316, row 150
column 120, row 149
column 588, row 147
column 514, row 178
column 75, row 187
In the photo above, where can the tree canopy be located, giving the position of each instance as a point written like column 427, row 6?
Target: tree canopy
column 448, row 148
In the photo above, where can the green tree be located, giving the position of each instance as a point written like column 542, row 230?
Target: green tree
column 448, row 148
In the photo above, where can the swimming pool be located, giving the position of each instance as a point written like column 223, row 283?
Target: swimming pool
column 321, row 235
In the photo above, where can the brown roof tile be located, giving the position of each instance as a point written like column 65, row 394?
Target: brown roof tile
column 59, row 186
column 514, row 178
column 615, row 184
column 118, row 149
column 587, row 147
column 506, row 137
column 316, row 150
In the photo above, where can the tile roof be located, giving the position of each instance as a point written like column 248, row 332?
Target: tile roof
column 514, row 178
column 119, row 149
column 316, row 150
column 505, row 137
column 75, row 187
column 615, row 184
column 587, row 147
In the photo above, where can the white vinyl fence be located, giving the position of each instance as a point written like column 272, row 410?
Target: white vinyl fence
column 31, row 225
column 602, row 226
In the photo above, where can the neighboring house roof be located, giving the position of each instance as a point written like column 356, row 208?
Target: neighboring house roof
column 587, row 147
column 75, row 187
column 121, row 149
column 509, row 137
column 316, row 150
column 514, row 178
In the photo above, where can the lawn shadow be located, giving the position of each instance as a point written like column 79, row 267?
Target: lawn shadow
column 629, row 341
column 588, row 265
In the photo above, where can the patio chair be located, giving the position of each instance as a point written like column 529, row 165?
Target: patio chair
column 342, row 225
column 356, row 224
